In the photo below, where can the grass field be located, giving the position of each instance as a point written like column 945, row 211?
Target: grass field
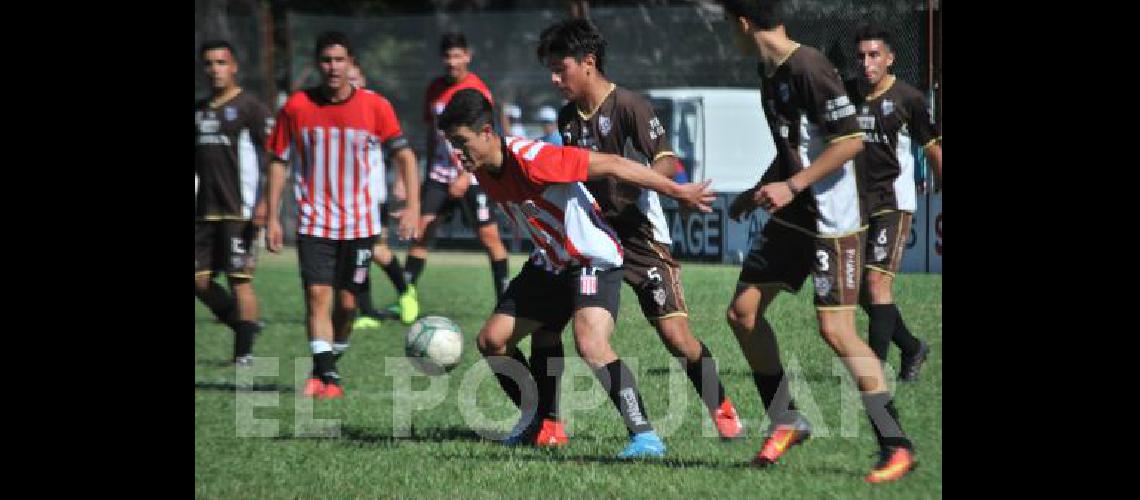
column 354, row 447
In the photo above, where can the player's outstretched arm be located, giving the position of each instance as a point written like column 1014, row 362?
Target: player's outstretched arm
column 274, row 233
column 698, row 196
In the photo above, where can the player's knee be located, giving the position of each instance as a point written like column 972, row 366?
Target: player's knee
column 834, row 334
column 201, row 283
column 491, row 344
column 678, row 339
column 741, row 319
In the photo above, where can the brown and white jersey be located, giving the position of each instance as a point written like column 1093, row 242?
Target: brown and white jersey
column 807, row 109
column 229, row 156
column 624, row 124
column 894, row 122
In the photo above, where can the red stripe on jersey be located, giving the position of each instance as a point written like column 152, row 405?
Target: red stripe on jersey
column 343, row 201
column 327, row 173
column 562, row 240
column 550, row 253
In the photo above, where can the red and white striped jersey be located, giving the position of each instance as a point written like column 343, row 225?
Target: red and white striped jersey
column 540, row 186
column 334, row 150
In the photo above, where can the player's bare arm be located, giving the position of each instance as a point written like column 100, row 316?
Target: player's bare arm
column 699, row 196
column 777, row 195
column 665, row 165
column 410, row 217
column 934, row 152
column 274, row 234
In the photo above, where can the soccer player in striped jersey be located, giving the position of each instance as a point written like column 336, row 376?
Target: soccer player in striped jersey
column 575, row 272
column 229, row 143
column 816, row 227
column 334, row 137
column 894, row 119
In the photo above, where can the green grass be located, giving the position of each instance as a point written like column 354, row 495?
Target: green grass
column 445, row 458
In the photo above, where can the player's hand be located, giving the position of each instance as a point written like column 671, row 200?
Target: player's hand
column 774, row 196
column 260, row 210
column 274, row 235
column 699, row 196
column 458, row 188
column 409, row 225
column 743, row 204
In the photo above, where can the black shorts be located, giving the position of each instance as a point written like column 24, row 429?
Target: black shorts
column 342, row 264
column 785, row 256
column 475, row 204
column 886, row 240
column 225, row 246
column 551, row 299
column 655, row 278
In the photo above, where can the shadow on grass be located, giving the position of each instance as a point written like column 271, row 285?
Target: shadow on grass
column 232, row 387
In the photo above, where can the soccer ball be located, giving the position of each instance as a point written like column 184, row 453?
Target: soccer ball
column 434, row 344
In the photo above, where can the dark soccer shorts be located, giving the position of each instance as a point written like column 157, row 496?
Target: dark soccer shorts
column 655, row 278
column 886, row 241
column 785, row 256
column 552, row 299
column 342, row 264
column 476, row 206
column 225, row 246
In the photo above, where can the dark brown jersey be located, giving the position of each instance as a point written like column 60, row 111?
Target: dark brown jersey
column 807, row 109
column 624, row 124
column 894, row 124
column 229, row 156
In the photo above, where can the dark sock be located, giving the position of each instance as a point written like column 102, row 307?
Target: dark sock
column 244, row 333
column 413, row 266
column 907, row 342
column 705, row 370
column 502, row 374
column 885, row 420
column 364, row 299
column 619, row 383
column 396, row 274
column 324, row 366
column 219, row 302
column 543, row 361
column 776, row 396
column 499, row 274
column 881, row 320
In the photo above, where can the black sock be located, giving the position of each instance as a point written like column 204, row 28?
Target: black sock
column 219, row 302
column 413, row 266
column 881, row 320
column 396, row 274
column 619, row 383
column 364, row 299
column 705, row 369
column 543, row 361
column 499, row 274
column 502, row 374
column 776, row 396
column 324, row 366
column 885, row 420
column 907, row 342
column 244, row 332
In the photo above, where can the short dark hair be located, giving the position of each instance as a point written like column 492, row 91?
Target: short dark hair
column 452, row 40
column 468, row 108
column 330, row 38
column 872, row 31
column 215, row 45
column 572, row 38
column 765, row 14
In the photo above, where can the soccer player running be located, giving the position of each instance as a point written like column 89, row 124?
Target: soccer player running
column 369, row 317
column 810, row 190
column 229, row 143
column 893, row 117
column 602, row 116
column 575, row 271
column 448, row 185
column 332, row 136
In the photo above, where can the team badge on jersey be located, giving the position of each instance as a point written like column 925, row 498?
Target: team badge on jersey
column 822, row 284
column 231, row 113
column 659, row 296
column 604, row 125
column 880, row 252
column 888, row 106
column 785, row 92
